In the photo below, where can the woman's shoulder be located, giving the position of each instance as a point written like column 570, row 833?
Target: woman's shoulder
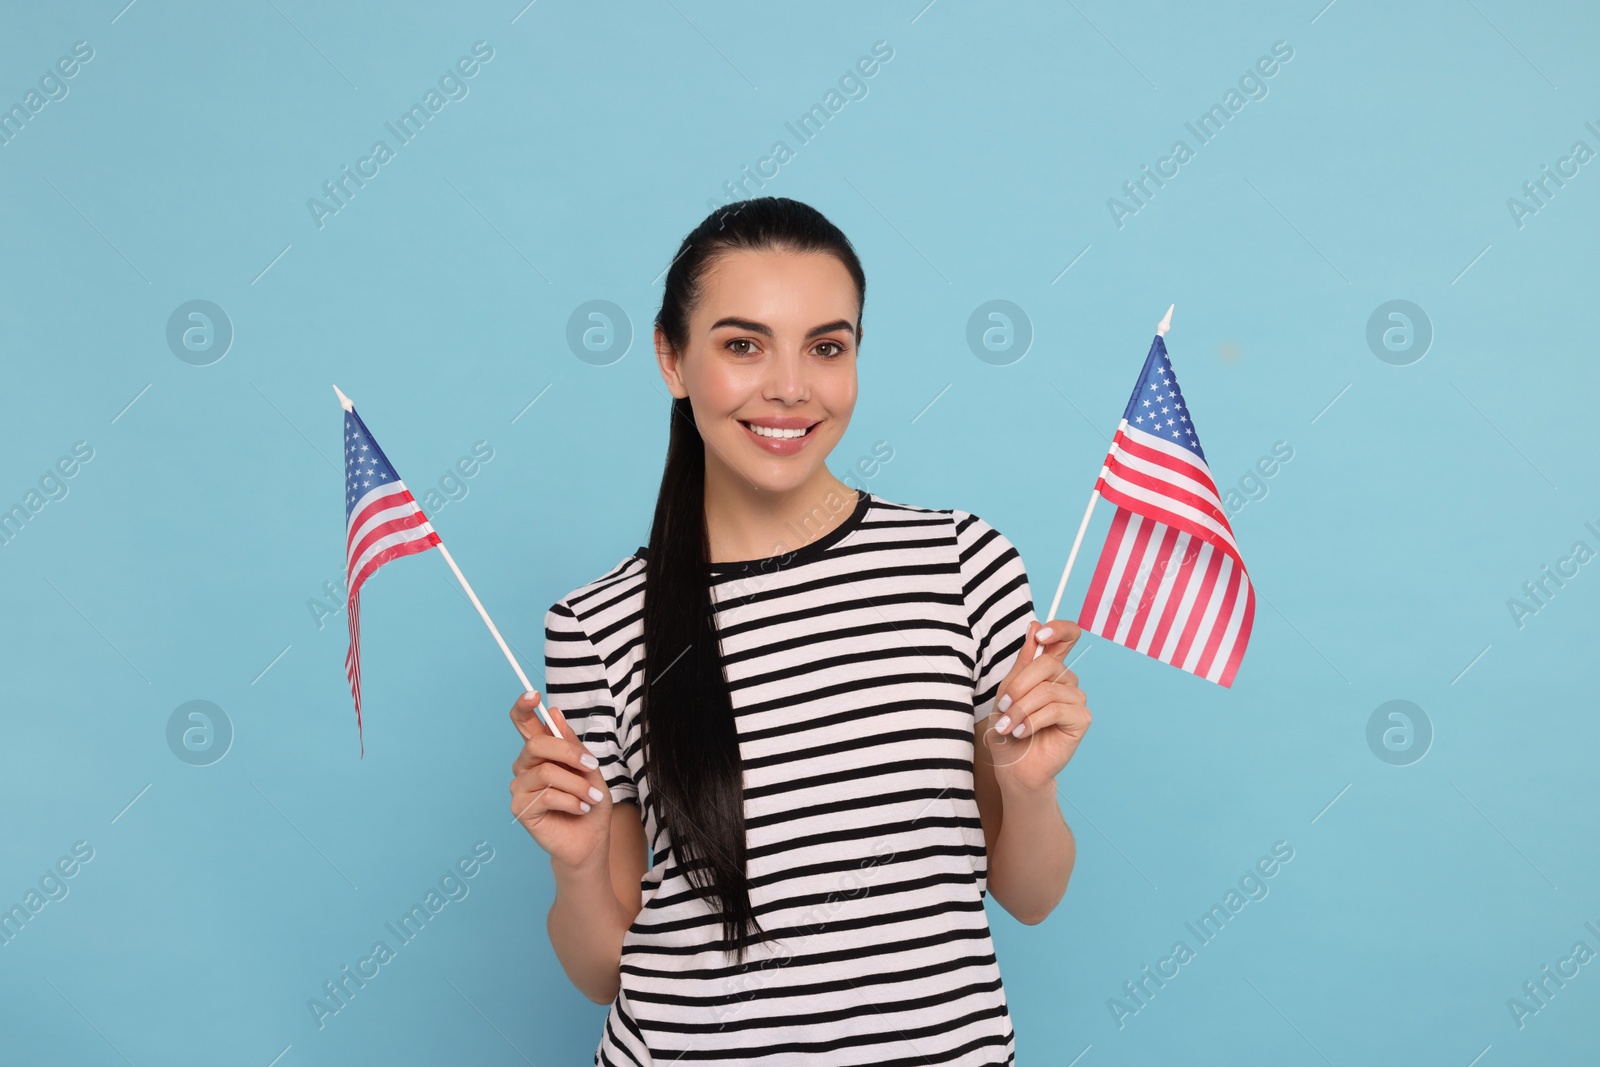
column 970, row 530
column 604, row 593
column 981, row 545
column 978, row 546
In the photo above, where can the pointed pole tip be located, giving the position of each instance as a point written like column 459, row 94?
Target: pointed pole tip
column 1166, row 321
column 344, row 401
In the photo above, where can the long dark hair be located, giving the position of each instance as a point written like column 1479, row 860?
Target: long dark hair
column 691, row 747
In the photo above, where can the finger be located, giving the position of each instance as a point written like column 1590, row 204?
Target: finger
column 556, row 776
column 529, row 802
column 522, row 712
column 557, row 779
column 1072, row 717
column 1058, row 636
column 566, row 750
column 1035, row 700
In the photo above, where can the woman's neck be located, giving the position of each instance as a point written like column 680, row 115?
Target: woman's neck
column 745, row 522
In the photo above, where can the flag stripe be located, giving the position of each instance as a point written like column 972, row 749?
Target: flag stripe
column 1198, row 610
column 1128, row 478
column 1118, row 555
column 413, row 527
column 1186, row 481
column 1129, row 565
column 1170, row 449
column 1187, row 604
column 407, row 547
column 1236, row 651
column 376, row 507
column 1192, row 548
column 1228, row 610
column 1145, row 502
column 1091, row 603
column 352, row 659
column 1205, row 509
column 1158, row 579
column 1141, row 560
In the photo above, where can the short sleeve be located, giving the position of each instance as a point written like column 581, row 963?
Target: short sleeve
column 999, row 605
column 575, row 682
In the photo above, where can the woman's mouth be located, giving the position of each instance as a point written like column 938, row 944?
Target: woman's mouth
column 776, row 441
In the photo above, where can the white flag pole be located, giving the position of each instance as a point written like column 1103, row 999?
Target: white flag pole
column 1061, row 587
column 1072, row 556
column 527, row 686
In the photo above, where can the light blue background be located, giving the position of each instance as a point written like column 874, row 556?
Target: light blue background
column 977, row 167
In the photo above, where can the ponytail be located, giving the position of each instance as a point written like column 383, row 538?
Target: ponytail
column 690, row 741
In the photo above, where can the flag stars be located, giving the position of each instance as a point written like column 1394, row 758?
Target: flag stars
column 1162, row 412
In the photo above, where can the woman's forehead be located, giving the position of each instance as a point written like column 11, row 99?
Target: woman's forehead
column 785, row 290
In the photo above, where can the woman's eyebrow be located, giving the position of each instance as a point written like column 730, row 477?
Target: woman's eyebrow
column 766, row 331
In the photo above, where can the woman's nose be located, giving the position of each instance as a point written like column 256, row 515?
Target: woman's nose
column 787, row 379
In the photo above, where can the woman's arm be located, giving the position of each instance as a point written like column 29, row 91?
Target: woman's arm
column 596, row 903
column 1031, row 848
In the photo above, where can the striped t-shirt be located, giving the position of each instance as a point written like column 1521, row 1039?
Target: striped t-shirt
column 859, row 665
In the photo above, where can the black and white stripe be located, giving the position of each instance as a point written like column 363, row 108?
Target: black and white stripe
column 858, row 669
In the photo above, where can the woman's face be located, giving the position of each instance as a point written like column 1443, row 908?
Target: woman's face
column 772, row 343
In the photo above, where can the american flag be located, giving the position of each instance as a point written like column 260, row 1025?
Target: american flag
column 382, row 522
column 1169, row 582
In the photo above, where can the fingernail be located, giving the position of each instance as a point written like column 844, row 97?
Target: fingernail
column 588, row 761
column 1021, row 726
column 1005, row 702
column 1004, row 723
column 595, row 795
column 527, row 696
column 583, row 807
column 1044, row 635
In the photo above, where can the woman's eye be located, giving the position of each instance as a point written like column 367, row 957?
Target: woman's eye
column 739, row 341
column 838, row 349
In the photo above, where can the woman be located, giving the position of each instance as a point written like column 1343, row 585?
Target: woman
column 796, row 679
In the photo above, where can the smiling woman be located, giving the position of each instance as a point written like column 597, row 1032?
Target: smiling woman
column 776, row 807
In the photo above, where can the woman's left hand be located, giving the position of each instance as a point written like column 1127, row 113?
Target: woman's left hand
column 1039, row 729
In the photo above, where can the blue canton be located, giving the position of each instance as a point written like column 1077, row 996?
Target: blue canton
column 365, row 465
column 1157, row 406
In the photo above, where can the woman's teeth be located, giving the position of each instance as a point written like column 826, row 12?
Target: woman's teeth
column 767, row 431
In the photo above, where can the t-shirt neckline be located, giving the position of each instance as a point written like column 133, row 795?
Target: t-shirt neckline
column 806, row 553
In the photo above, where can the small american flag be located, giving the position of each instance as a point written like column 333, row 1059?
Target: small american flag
column 1169, row 582
column 382, row 522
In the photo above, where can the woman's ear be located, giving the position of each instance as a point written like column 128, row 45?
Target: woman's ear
column 667, row 360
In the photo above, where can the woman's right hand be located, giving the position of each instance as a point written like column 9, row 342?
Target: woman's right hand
column 554, row 785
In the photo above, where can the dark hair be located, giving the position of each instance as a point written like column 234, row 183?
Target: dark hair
column 691, row 747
